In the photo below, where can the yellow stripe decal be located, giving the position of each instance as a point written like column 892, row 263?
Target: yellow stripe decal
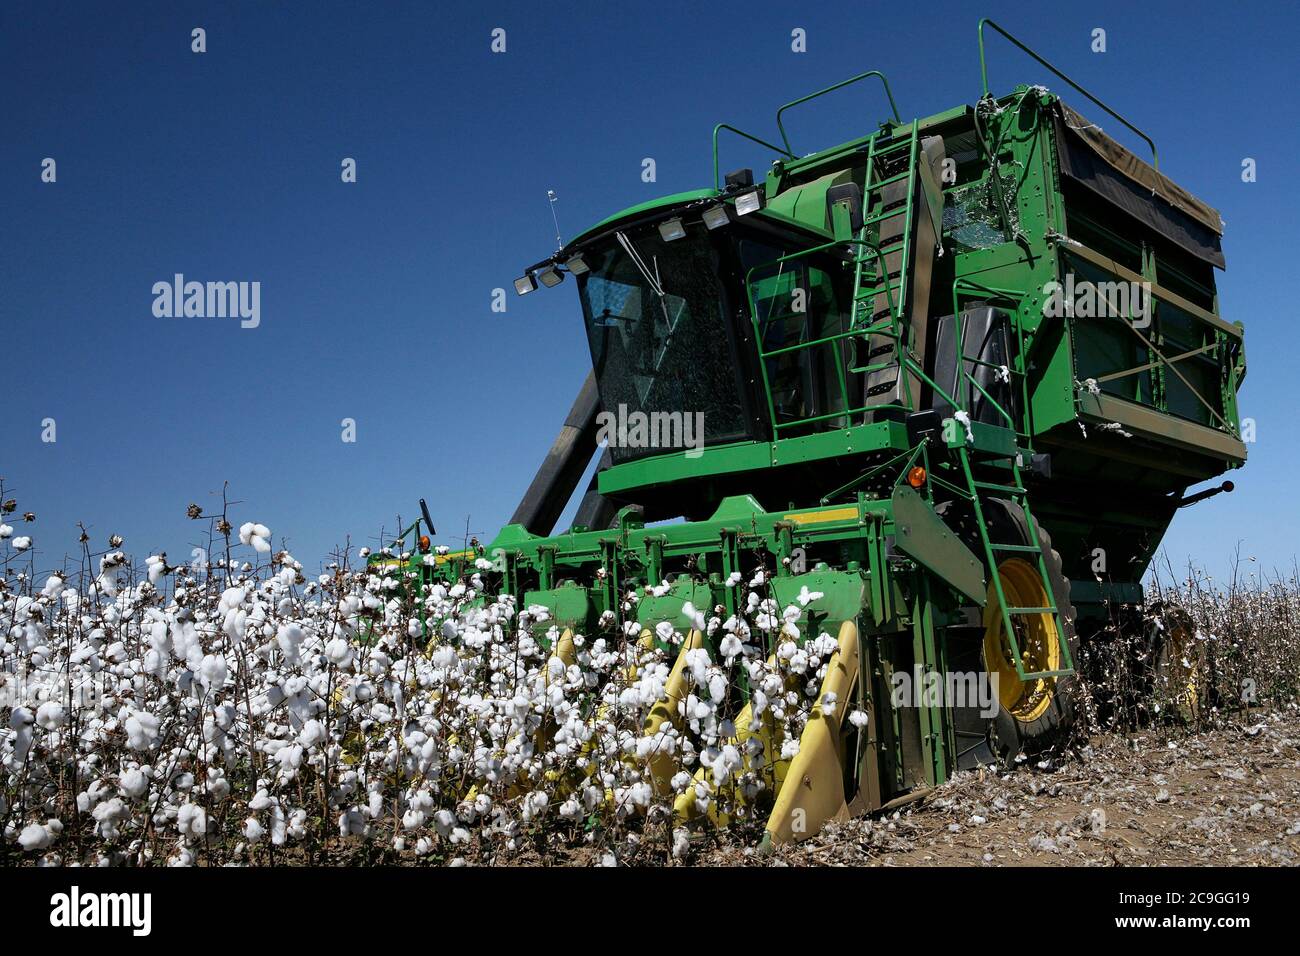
column 817, row 517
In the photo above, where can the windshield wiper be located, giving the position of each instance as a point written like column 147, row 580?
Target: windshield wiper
column 651, row 278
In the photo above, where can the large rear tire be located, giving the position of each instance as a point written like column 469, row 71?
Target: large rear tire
column 1028, row 716
column 1036, row 714
column 1182, row 682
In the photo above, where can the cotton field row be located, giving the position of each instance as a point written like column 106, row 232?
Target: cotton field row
column 234, row 713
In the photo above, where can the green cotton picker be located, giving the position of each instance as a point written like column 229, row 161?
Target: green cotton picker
column 879, row 437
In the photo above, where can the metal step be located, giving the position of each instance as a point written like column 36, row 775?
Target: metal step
column 1003, row 489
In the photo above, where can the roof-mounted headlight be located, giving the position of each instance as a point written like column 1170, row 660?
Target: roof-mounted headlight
column 671, row 229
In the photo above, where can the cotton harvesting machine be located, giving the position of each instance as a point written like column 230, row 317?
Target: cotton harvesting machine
column 946, row 384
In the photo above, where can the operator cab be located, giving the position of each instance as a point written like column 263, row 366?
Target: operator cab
column 668, row 317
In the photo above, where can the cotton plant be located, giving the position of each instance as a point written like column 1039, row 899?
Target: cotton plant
column 241, row 710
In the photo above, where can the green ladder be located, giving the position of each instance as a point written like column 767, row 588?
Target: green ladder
column 880, row 299
column 1015, row 491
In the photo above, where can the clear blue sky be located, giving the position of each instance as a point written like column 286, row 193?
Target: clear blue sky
column 376, row 295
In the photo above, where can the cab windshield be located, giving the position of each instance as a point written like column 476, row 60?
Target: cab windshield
column 654, row 311
column 669, row 326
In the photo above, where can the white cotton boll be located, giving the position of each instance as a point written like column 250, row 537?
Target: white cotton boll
column 288, row 637
column 141, row 730
column 107, row 815
column 34, row 836
column 859, row 718
column 50, row 716
column 534, row 805
column 192, row 820
column 235, row 623
column 703, row 797
column 339, row 652
column 717, row 687
column 133, row 783
column 257, row 535
column 22, row 543
column 695, row 617
column 828, row 703
column 213, row 672
column 218, row 785
column 157, row 568
column 290, row 757
column 253, row 830
column 6, row 530
column 964, row 420
column 726, row 763
column 443, row 822
column 665, row 632
column 734, row 578
column 825, row 645
column 730, row 648
column 279, row 827
column 312, row 733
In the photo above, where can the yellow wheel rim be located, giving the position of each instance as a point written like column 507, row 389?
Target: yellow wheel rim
column 1036, row 635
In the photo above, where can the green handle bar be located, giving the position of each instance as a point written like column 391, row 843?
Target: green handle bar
column 984, row 75
column 752, row 139
column 831, row 89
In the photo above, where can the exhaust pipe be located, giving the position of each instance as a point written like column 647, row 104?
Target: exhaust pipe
column 1207, row 493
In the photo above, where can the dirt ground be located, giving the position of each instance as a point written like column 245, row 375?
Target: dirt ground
column 1225, row 797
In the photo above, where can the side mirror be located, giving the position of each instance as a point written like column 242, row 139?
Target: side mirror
column 844, row 207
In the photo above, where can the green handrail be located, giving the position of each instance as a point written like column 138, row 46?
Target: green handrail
column 739, row 132
column 984, row 75
column 831, row 89
column 758, row 334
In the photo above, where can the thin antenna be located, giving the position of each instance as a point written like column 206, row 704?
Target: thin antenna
column 551, row 197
